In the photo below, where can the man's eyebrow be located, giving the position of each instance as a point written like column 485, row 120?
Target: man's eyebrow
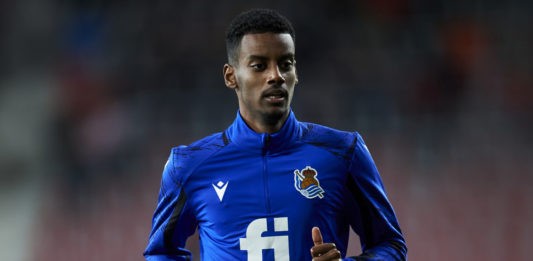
column 263, row 58
column 289, row 56
column 256, row 57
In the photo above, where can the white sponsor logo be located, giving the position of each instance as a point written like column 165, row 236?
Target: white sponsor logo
column 254, row 243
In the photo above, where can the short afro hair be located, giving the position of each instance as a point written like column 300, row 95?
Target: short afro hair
column 255, row 21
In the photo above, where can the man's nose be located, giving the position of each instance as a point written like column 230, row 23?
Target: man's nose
column 275, row 76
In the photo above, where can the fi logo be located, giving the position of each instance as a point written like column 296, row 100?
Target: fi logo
column 307, row 184
column 255, row 243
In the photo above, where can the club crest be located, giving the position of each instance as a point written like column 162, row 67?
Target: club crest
column 307, row 184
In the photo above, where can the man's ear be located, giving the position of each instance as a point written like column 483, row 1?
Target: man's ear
column 229, row 76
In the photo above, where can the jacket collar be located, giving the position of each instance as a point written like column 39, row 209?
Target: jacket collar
column 243, row 136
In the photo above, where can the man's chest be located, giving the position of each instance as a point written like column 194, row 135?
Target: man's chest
column 292, row 184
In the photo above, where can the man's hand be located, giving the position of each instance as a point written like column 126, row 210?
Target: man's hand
column 323, row 251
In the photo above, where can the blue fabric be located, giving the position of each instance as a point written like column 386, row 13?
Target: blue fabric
column 272, row 189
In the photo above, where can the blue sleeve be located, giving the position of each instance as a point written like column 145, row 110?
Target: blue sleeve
column 374, row 219
column 173, row 221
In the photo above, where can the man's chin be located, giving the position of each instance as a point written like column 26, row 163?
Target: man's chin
column 273, row 116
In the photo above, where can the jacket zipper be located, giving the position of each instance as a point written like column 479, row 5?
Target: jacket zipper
column 266, row 143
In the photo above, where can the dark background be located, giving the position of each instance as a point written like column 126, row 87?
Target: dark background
column 93, row 94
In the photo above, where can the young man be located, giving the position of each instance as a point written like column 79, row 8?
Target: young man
column 270, row 187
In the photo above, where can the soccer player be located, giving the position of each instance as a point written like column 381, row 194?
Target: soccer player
column 270, row 187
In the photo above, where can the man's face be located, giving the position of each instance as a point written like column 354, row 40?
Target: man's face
column 264, row 77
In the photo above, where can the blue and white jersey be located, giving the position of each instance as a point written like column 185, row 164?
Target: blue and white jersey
column 257, row 196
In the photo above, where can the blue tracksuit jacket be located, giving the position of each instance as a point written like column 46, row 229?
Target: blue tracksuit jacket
column 256, row 196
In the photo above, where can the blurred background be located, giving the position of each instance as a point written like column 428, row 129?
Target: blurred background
column 93, row 94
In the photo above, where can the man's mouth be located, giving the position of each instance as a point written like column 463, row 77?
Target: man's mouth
column 275, row 96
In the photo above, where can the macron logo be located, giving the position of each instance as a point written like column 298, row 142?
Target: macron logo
column 220, row 189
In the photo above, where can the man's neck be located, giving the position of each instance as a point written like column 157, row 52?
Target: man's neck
column 267, row 124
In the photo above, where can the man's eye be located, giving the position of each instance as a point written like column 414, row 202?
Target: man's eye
column 287, row 65
column 258, row 66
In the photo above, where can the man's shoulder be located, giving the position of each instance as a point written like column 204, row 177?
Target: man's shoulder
column 338, row 142
column 213, row 141
column 187, row 156
column 313, row 132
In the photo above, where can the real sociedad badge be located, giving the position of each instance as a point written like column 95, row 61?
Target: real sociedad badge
column 307, row 184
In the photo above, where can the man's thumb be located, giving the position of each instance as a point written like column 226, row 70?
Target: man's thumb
column 317, row 236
